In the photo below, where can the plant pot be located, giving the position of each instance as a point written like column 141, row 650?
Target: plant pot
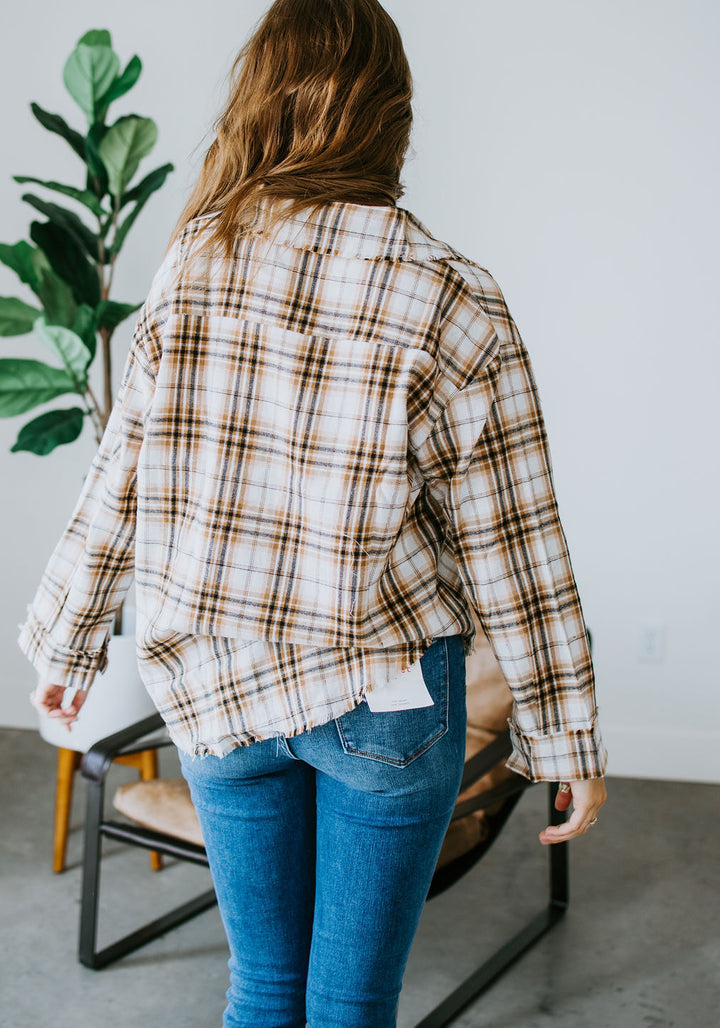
column 116, row 699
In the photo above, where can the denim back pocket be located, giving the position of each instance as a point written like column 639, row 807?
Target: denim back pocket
column 400, row 736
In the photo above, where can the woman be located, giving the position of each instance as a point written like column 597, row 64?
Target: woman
column 326, row 453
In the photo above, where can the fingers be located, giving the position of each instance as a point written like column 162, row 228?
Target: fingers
column 77, row 702
column 587, row 797
column 563, row 799
column 47, row 698
column 66, row 719
column 49, row 701
column 577, row 825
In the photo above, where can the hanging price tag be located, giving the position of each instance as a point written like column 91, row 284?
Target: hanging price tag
column 405, row 691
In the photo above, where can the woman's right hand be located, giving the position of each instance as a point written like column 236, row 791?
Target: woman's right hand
column 587, row 796
column 48, row 700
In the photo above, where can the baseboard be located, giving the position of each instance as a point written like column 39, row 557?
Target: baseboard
column 682, row 755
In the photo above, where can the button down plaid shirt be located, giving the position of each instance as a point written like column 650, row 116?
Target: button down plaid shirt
column 325, row 452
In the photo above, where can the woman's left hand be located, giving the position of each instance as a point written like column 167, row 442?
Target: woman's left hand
column 48, row 701
column 587, row 796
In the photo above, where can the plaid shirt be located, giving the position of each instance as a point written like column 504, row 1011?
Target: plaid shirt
column 325, row 452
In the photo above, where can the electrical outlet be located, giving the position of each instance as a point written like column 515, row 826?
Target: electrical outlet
column 651, row 641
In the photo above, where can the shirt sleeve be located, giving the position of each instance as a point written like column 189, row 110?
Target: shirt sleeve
column 488, row 466
column 65, row 634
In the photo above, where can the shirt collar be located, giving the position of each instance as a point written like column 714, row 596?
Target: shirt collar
column 357, row 230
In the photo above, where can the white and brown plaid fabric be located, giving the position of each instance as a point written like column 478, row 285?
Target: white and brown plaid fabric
column 324, row 453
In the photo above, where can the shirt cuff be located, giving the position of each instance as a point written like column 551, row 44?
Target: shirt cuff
column 565, row 756
column 57, row 664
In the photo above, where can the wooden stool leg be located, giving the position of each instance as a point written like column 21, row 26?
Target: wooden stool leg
column 68, row 763
column 149, row 771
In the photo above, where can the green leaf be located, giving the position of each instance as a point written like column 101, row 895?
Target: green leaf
column 26, row 383
column 19, row 257
column 88, row 73
column 83, row 196
column 123, row 229
column 52, row 429
column 152, row 181
column 96, row 37
column 16, row 317
column 69, row 221
column 143, row 192
column 85, row 326
column 68, row 260
column 54, row 123
column 97, row 180
column 69, row 347
column 123, row 83
column 34, row 269
column 123, row 147
column 55, row 294
column 110, row 313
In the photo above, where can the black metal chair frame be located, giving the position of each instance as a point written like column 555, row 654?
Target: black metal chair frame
column 96, row 764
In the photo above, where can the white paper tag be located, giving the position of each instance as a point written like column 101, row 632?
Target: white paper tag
column 404, row 691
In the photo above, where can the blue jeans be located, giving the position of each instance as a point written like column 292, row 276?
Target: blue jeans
column 322, row 847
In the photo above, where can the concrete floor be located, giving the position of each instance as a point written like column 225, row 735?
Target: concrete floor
column 638, row 948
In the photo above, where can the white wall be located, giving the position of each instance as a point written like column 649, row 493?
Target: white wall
column 571, row 148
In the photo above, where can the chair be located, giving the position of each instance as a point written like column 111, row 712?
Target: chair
column 162, row 819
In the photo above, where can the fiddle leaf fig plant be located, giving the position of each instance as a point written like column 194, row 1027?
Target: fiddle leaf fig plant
column 69, row 264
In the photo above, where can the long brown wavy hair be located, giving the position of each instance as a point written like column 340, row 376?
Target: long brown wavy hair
column 319, row 110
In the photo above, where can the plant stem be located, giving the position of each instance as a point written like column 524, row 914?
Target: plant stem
column 106, row 332
column 105, row 336
column 101, row 257
column 116, row 213
column 93, row 410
